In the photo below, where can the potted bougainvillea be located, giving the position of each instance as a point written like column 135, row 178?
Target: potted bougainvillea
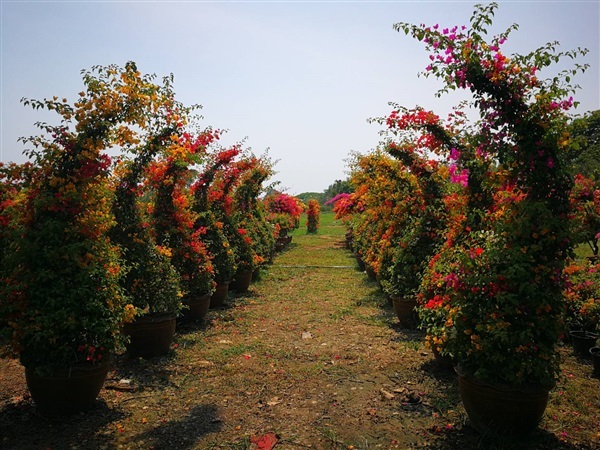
column 284, row 212
column 222, row 204
column 213, row 229
column 63, row 274
column 151, row 283
column 174, row 220
column 505, row 294
column 313, row 213
column 250, row 214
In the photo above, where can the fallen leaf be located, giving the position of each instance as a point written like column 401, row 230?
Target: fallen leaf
column 266, row 442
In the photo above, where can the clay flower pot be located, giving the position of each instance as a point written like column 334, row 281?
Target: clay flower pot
column 582, row 342
column 149, row 336
column 220, row 295
column 66, row 391
column 197, row 308
column 502, row 409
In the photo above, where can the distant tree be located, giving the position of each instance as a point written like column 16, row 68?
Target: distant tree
column 338, row 187
column 306, row 196
column 585, row 145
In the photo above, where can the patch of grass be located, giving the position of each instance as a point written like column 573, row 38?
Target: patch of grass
column 343, row 311
column 223, row 352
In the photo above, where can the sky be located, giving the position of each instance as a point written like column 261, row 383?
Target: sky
column 297, row 80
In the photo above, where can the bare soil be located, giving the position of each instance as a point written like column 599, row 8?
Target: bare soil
column 311, row 357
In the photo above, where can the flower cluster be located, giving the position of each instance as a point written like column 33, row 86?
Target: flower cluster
column 585, row 212
column 582, row 294
column 283, row 210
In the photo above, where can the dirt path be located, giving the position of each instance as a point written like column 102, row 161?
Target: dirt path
column 310, row 357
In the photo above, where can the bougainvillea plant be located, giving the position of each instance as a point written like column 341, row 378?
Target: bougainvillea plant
column 214, row 236
column 313, row 214
column 506, row 292
column 250, row 214
column 388, row 195
column 222, row 204
column 64, row 273
column 151, row 283
column 585, row 212
column 172, row 215
column 283, row 210
column 582, row 294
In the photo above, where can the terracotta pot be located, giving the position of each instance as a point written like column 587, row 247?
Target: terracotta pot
column 280, row 243
column 570, row 326
column 66, row 391
column 501, row 409
column 443, row 361
column 241, row 282
column 149, row 336
column 197, row 308
column 361, row 263
column 371, row 273
column 595, row 354
column 582, row 342
column 220, row 295
column 405, row 310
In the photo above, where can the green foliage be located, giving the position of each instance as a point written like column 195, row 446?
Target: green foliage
column 585, row 145
column 306, row 196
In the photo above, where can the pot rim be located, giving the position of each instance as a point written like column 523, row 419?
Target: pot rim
column 584, row 334
column 528, row 388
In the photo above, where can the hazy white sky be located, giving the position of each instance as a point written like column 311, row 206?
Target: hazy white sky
column 300, row 78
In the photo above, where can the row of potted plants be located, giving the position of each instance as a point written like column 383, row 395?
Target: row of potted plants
column 473, row 222
column 98, row 249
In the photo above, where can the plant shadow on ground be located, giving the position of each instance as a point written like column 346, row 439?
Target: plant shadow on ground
column 465, row 437
column 182, row 434
column 22, row 427
column 153, row 373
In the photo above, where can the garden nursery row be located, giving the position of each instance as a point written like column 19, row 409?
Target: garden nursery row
column 484, row 234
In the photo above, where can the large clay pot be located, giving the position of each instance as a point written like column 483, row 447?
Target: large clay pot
column 582, row 342
column 241, row 281
column 220, row 295
column 502, row 410
column 443, row 361
column 405, row 310
column 149, row 336
column 361, row 264
column 371, row 273
column 66, row 391
column 197, row 308
column 281, row 243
